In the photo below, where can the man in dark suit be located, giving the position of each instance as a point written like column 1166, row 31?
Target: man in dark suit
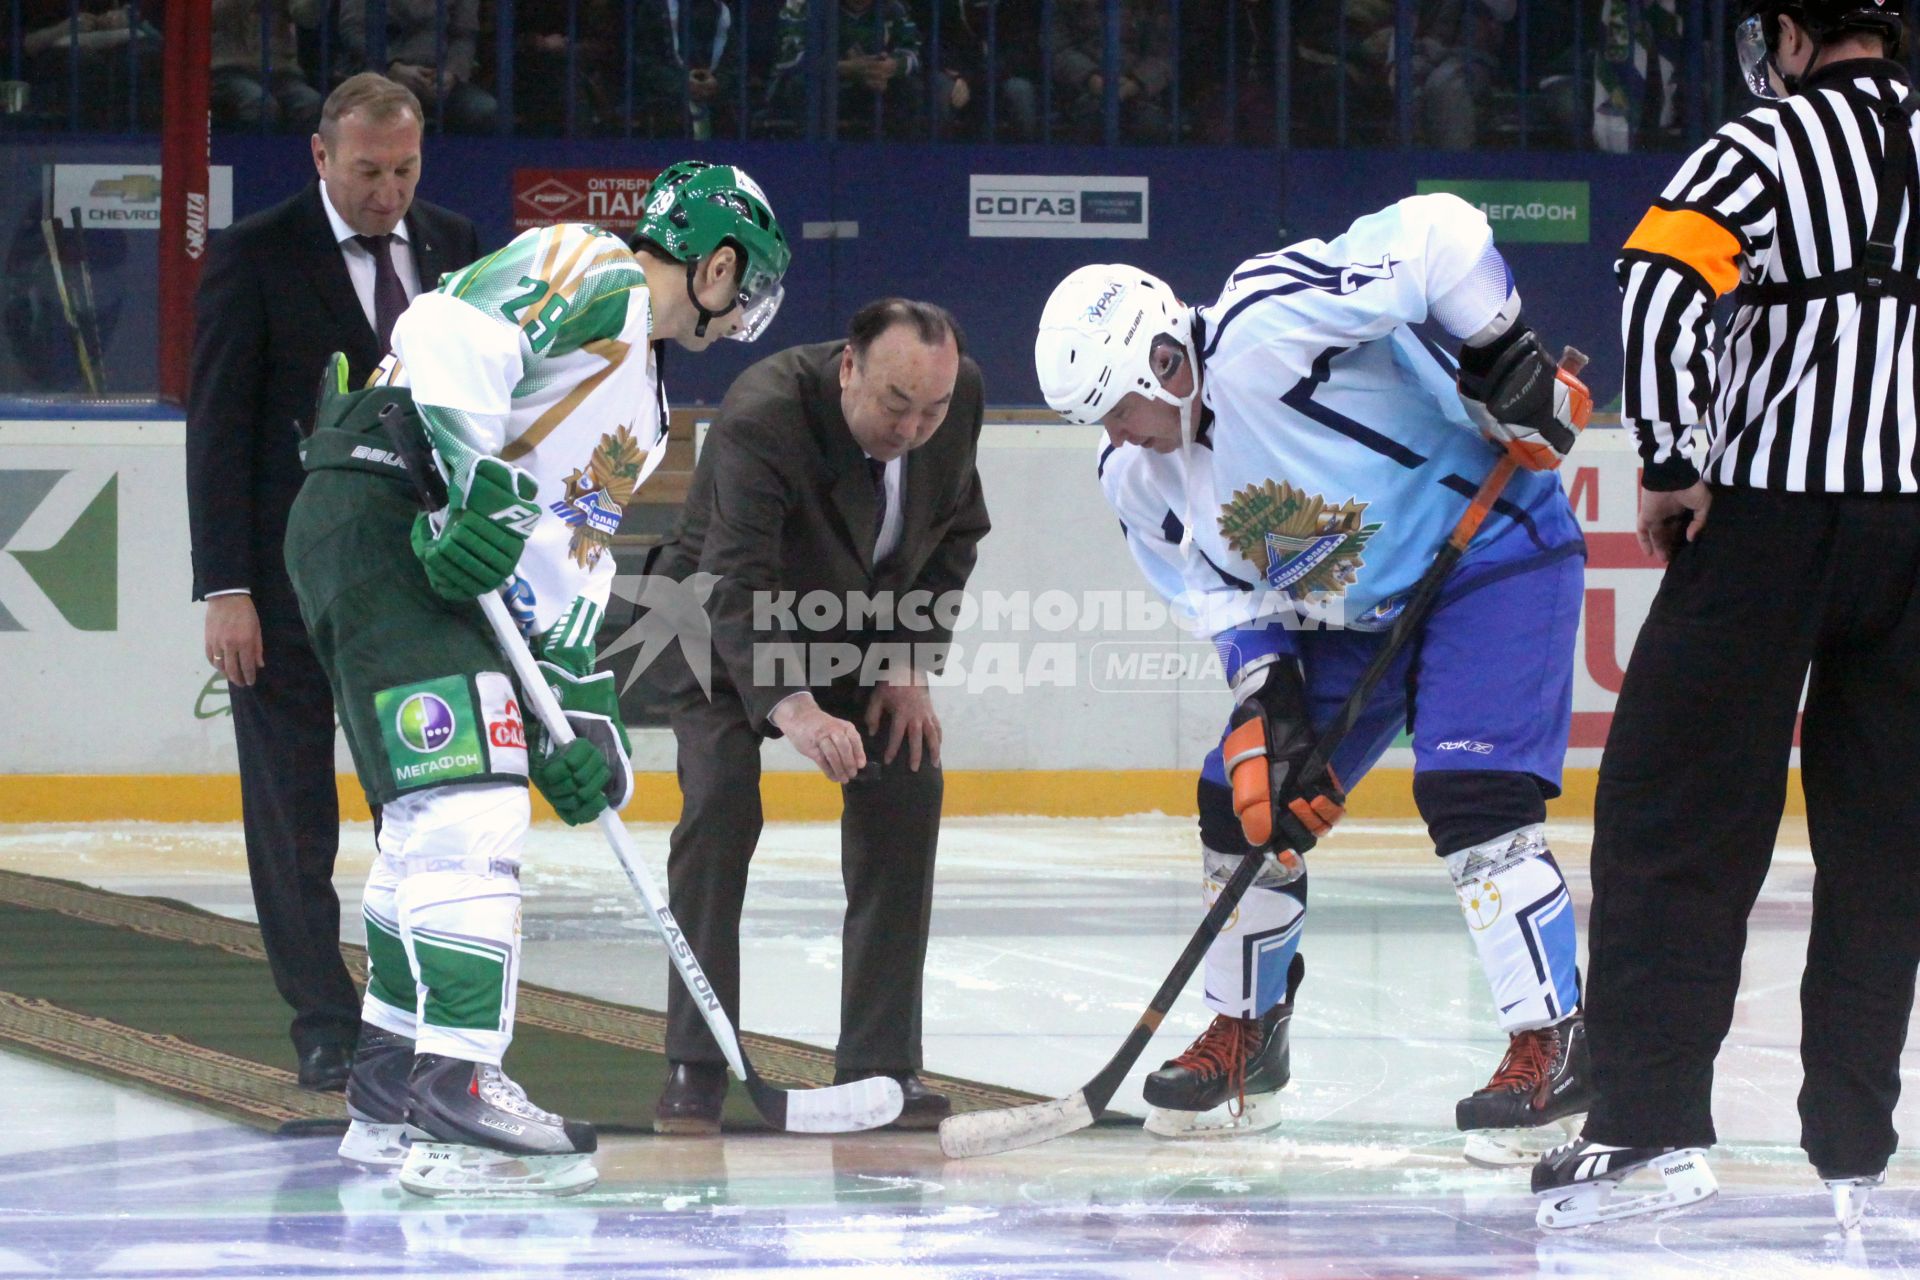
column 836, row 468
column 329, row 270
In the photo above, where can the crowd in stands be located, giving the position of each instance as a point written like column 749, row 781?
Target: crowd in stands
column 1603, row 74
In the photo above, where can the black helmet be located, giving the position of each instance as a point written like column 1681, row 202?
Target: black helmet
column 1758, row 34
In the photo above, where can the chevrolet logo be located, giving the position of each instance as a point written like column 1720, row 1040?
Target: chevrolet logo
column 133, row 188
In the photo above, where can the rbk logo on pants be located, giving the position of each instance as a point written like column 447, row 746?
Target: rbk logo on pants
column 59, row 550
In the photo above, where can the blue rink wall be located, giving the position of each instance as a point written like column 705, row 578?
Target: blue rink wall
column 1208, row 208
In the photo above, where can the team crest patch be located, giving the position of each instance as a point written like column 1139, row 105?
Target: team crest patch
column 597, row 496
column 1304, row 545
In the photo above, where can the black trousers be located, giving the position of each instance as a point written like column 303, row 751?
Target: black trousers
column 888, row 832
column 1691, row 791
column 283, row 724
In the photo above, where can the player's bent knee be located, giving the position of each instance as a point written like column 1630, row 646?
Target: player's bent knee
column 1223, row 844
column 1220, row 829
column 1466, row 807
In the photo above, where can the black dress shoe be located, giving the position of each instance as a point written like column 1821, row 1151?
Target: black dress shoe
column 324, row 1068
column 921, row 1107
column 691, row 1099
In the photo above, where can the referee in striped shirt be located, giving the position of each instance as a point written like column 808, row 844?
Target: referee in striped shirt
column 1792, row 545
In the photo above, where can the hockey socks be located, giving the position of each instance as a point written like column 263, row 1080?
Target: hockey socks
column 442, row 906
column 1520, row 915
column 1247, row 965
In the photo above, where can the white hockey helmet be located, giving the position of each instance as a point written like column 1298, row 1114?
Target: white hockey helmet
column 1097, row 336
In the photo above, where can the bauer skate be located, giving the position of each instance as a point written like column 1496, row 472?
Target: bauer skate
column 1577, row 1182
column 1229, row 1080
column 476, row 1134
column 1850, row 1197
column 1535, row 1101
column 377, row 1099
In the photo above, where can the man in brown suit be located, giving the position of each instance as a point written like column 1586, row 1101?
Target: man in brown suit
column 841, row 467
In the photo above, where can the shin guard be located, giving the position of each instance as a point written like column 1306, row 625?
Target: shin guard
column 1520, row 915
column 1246, row 970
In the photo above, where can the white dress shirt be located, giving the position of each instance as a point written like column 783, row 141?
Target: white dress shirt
column 359, row 259
column 360, row 270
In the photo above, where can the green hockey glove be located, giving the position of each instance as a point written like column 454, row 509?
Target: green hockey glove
column 574, row 780
column 580, row 784
column 489, row 519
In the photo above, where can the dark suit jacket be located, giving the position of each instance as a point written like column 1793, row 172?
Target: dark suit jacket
column 782, row 501
column 274, row 302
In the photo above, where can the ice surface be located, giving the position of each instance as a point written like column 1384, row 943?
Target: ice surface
column 1049, row 937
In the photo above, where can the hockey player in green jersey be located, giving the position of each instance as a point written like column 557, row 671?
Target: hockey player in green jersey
column 533, row 378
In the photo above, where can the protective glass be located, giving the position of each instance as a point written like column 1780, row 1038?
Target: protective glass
column 1750, row 41
column 760, row 296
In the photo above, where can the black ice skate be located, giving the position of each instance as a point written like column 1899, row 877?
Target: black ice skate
column 1535, row 1100
column 377, row 1099
column 1239, row 1064
column 1576, row 1182
column 475, row 1133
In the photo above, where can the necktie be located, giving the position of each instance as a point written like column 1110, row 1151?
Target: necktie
column 877, row 472
column 389, row 295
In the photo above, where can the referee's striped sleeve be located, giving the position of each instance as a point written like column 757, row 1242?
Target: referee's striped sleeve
column 1689, row 250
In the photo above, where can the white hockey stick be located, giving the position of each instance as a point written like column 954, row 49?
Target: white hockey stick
column 841, row 1108
column 862, row 1104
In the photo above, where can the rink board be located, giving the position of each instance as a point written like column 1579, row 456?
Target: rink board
column 1065, row 697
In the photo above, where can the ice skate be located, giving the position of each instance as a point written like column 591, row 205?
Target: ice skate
column 1577, row 1183
column 1850, row 1197
column 1535, row 1101
column 377, row 1100
column 1228, row 1081
column 476, row 1134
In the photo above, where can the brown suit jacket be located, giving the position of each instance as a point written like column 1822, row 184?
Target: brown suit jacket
column 782, row 502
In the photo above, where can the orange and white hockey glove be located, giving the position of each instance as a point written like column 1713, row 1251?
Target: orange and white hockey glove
column 1267, row 741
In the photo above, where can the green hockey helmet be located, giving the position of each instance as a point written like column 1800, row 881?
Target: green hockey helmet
column 695, row 207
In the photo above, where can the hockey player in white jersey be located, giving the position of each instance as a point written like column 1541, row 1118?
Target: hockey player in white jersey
column 1316, row 452
column 531, row 382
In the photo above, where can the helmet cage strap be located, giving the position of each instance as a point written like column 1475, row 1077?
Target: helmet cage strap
column 1155, row 391
column 693, row 296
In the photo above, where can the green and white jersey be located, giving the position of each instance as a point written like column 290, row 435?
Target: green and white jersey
column 541, row 355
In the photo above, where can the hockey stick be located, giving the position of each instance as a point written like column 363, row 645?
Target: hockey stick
column 842, row 1108
column 50, row 231
column 88, row 313
column 980, row 1133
